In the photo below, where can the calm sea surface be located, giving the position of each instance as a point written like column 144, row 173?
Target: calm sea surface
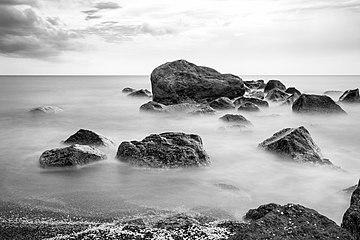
column 97, row 103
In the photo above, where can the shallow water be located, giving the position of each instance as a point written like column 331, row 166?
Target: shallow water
column 97, row 103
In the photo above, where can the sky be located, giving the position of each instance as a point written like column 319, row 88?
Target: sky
column 243, row 37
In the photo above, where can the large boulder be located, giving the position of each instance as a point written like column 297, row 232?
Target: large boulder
column 189, row 108
column 71, row 156
column 222, row 103
column 276, row 95
column 288, row 222
column 258, row 84
column 181, row 81
column 165, row 150
column 350, row 96
column 258, row 102
column 87, row 137
column 309, row 103
column 351, row 218
column 296, row 144
column 248, row 107
column 46, row 110
column 271, row 84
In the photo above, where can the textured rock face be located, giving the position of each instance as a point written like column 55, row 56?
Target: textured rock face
column 70, row 156
column 291, row 221
column 258, row 102
column 294, row 143
column 46, row 110
column 351, row 218
column 249, row 107
column 140, row 93
column 319, row 104
column 87, row 137
column 292, row 90
column 271, row 84
column 291, row 99
column 165, row 150
column 276, row 95
column 235, row 118
column 189, row 108
column 350, row 96
column 181, row 81
column 258, row 84
column 222, row 103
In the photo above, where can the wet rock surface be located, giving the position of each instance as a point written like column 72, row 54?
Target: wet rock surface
column 350, row 96
column 71, row 156
column 222, row 103
column 165, row 150
column 296, row 144
column 316, row 104
column 258, row 102
column 351, row 218
column 46, row 110
column 248, row 107
column 87, row 137
column 272, row 84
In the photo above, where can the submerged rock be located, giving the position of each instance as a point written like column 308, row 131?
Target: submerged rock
column 258, row 102
column 235, row 118
column 350, row 96
column 276, row 95
column 181, row 81
column 153, row 106
column 165, row 150
column 87, row 137
column 258, row 84
column 222, row 103
column 249, row 107
column 71, row 156
column 187, row 108
column 292, row 90
column 46, row 110
column 128, row 90
column 272, row 84
column 296, row 144
column 140, row 93
column 351, row 218
column 308, row 103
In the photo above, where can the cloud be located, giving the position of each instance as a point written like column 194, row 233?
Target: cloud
column 90, row 17
column 107, row 5
column 33, row 3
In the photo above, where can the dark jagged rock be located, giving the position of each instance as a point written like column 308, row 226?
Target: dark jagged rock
column 128, row 90
column 165, row 150
column 140, row 93
column 235, row 118
column 181, row 81
column 350, row 96
column 71, row 156
column 249, row 107
column 87, row 137
column 188, row 108
column 292, row 90
column 255, row 94
column 351, row 218
column 46, row 110
column 291, row 99
column 258, row 84
column 272, row 84
column 289, row 222
column 276, row 95
column 222, row 103
column 296, row 144
column 258, row 102
column 308, row 103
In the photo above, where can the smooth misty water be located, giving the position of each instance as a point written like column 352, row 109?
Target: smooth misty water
column 97, row 103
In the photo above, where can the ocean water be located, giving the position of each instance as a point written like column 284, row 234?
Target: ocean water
column 97, row 103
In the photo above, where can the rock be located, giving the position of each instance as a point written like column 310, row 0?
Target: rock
column 351, row 218
column 128, row 90
column 46, row 110
column 140, row 93
column 255, row 94
column 165, row 150
column 225, row 186
column 87, row 137
column 308, row 103
column 71, row 156
column 250, row 107
column 222, row 103
column 350, row 96
column 152, row 106
column 291, row 99
column 188, row 108
column 271, row 84
column 258, row 84
column 292, row 90
column 296, row 144
column 289, row 222
column 258, row 102
column 181, row 81
column 350, row 190
column 276, row 95
column 235, row 118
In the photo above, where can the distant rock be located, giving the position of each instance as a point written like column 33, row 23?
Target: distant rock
column 181, row 81
column 288, row 222
column 46, row 110
column 276, row 95
column 258, row 102
column 249, row 107
column 165, row 150
column 87, row 137
column 258, row 84
column 71, row 156
column 188, row 108
column 350, row 96
column 351, row 218
column 225, row 186
column 128, row 90
column 316, row 104
column 255, row 94
column 236, row 119
column 296, row 144
column 292, row 90
column 271, row 84
column 222, row 103
column 140, row 93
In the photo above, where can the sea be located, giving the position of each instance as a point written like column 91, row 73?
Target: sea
column 241, row 176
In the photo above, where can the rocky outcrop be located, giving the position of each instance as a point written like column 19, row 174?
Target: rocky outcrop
column 222, row 103
column 289, row 222
column 258, row 84
column 317, row 104
column 87, row 137
column 258, row 102
column 187, row 108
column 165, row 150
column 128, row 90
column 140, row 93
column 276, row 95
column 296, row 144
column 249, row 107
column 292, row 90
column 272, row 84
column 71, row 156
column 351, row 218
column 350, row 96
column 181, row 81
column 46, row 110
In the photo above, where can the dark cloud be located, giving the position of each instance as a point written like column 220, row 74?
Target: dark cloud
column 91, row 11
column 90, row 17
column 19, row 2
column 106, row 5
